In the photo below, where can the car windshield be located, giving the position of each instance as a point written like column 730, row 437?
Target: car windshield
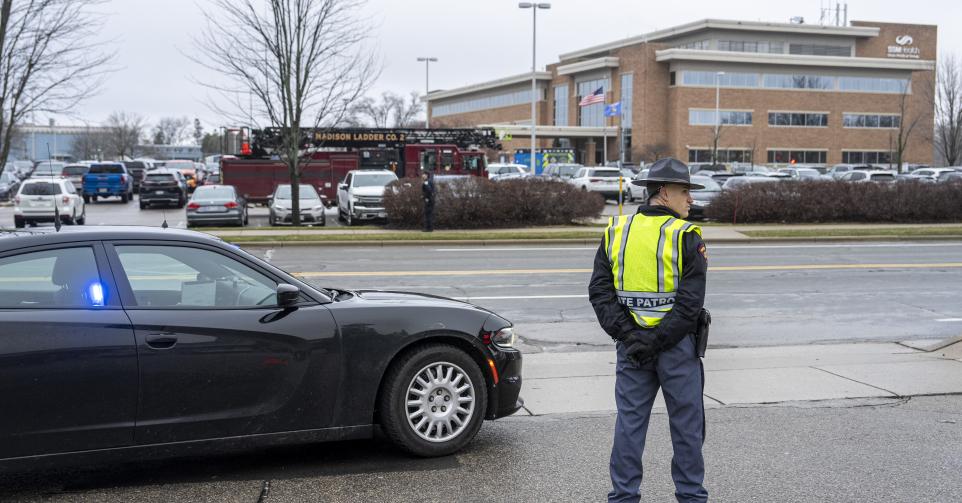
column 106, row 168
column 132, row 165
column 306, row 192
column 75, row 170
column 373, row 180
column 50, row 168
column 808, row 173
column 214, row 192
column 710, row 185
column 606, row 173
column 568, row 171
column 40, row 189
column 5, row 178
column 160, row 177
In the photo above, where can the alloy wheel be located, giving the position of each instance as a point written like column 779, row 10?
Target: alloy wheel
column 440, row 402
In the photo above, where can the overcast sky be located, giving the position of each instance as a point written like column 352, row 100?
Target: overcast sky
column 474, row 40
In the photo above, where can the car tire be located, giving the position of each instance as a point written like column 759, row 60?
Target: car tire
column 181, row 201
column 246, row 220
column 18, row 222
column 349, row 218
column 340, row 215
column 83, row 218
column 124, row 199
column 86, row 199
column 143, row 205
column 416, row 428
column 94, row 198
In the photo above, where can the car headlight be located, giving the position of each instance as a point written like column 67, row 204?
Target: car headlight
column 503, row 338
column 278, row 207
column 318, row 208
column 353, row 198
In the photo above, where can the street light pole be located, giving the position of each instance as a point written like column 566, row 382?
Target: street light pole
column 718, row 77
column 534, row 89
column 427, row 62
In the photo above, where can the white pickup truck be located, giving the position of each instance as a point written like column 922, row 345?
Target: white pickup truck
column 361, row 195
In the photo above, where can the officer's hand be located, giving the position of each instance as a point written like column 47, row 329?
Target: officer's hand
column 641, row 345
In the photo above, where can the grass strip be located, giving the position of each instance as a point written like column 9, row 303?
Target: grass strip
column 418, row 236
column 856, row 232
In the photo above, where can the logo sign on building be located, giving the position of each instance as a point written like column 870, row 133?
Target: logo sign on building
column 904, row 48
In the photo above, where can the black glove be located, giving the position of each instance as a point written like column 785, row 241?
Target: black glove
column 641, row 346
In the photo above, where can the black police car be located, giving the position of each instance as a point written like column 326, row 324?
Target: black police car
column 139, row 340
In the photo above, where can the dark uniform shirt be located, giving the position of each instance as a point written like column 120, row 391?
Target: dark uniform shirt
column 689, row 298
column 427, row 191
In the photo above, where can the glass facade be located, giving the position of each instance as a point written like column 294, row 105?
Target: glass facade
column 627, row 89
column 797, row 119
column 508, row 99
column 724, row 155
column 797, row 156
column 866, row 157
column 763, row 46
column 796, row 81
column 561, row 105
column 592, row 115
column 820, row 50
column 728, row 117
column 887, row 121
column 701, row 45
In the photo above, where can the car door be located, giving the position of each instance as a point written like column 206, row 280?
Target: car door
column 218, row 356
column 343, row 195
column 68, row 362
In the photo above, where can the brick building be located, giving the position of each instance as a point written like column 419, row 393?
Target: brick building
column 786, row 93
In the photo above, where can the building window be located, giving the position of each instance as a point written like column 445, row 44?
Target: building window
column 724, row 155
column 592, row 115
column 874, row 85
column 866, row 157
column 561, row 105
column 730, row 79
column 698, row 117
column 886, row 121
column 820, row 50
column 701, row 45
column 671, row 78
column 797, row 156
column 508, row 99
column 785, row 81
column 797, row 119
column 763, row 46
column 626, row 93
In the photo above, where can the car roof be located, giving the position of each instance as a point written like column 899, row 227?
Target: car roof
column 14, row 239
column 374, row 171
column 44, row 179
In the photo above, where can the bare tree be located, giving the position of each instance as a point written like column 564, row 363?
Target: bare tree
column 292, row 63
column 212, row 143
column 716, row 134
column 391, row 111
column 50, row 59
column 948, row 110
column 170, row 131
column 198, row 132
column 654, row 151
column 123, row 134
column 909, row 119
column 91, row 144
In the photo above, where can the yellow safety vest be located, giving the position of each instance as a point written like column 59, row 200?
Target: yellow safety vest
column 646, row 260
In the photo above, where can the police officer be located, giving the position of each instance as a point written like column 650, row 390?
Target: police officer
column 427, row 192
column 647, row 289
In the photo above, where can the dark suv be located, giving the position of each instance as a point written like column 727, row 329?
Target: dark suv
column 163, row 186
column 136, row 170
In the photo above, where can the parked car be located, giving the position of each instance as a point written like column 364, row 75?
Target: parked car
column 604, row 181
column 310, row 204
column 637, row 192
column 561, row 170
column 932, row 174
column 37, row 199
column 212, row 179
column 24, row 169
column 108, row 179
column 75, row 173
column 46, row 169
column 701, row 198
column 802, row 173
column 361, row 195
column 950, row 177
column 863, row 176
column 740, row 181
column 173, row 341
column 187, row 169
column 502, row 171
column 9, row 185
column 163, row 186
column 216, row 204
column 136, row 170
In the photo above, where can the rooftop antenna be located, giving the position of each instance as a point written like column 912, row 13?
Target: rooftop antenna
column 56, row 209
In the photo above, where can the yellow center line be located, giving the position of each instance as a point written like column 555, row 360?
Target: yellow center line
column 508, row 272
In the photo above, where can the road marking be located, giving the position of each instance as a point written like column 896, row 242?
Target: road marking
column 720, row 247
column 949, row 319
column 508, row 272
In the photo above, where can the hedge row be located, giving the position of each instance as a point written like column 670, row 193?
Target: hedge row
column 836, row 201
column 474, row 203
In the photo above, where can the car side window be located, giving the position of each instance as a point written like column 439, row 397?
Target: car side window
column 62, row 278
column 348, row 179
column 181, row 277
column 70, row 187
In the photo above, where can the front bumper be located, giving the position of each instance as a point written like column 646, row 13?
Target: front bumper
column 285, row 216
column 230, row 216
column 368, row 212
column 505, row 395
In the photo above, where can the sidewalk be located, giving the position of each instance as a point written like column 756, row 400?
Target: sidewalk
column 584, row 381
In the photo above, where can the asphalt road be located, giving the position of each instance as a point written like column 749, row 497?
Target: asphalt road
column 853, row 451
column 758, row 294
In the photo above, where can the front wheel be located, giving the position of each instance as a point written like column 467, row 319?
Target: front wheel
column 433, row 401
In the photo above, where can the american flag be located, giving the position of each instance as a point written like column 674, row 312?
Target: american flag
column 596, row 97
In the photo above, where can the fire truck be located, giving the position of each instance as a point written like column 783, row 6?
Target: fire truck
column 328, row 154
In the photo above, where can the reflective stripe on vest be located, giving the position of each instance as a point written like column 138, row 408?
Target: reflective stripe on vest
column 645, row 254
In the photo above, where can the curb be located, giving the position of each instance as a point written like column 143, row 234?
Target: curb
column 585, row 242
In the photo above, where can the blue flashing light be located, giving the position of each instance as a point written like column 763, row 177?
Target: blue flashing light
column 96, row 291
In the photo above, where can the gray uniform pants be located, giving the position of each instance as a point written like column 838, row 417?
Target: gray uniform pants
column 680, row 375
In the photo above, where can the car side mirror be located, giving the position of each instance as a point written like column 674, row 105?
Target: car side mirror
column 342, row 186
column 287, row 295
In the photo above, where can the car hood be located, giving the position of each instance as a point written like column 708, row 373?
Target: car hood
column 368, row 191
